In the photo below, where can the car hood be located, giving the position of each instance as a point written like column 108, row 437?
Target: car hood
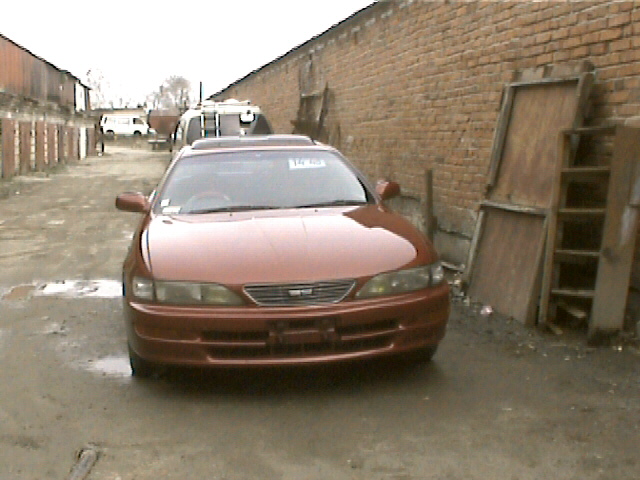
column 279, row 246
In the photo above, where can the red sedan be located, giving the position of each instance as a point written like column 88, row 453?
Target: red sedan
column 275, row 252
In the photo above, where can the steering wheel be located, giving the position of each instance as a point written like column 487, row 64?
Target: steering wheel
column 205, row 200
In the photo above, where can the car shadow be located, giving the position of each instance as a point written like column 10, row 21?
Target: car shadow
column 375, row 375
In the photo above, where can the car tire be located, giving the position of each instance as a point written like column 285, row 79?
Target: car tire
column 137, row 133
column 109, row 134
column 140, row 367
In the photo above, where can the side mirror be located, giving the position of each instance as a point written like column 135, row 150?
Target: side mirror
column 132, row 202
column 387, row 190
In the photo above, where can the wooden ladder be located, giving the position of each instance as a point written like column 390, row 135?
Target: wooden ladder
column 592, row 227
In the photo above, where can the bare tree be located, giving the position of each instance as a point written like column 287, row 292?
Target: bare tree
column 95, row 80
column 175, row 92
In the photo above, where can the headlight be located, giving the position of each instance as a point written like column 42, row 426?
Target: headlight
column 184, row 293
column 403, row 281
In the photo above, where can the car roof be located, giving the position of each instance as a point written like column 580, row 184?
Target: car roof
column 278, row 140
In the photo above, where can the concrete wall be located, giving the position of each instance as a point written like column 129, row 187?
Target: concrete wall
column 416, row 85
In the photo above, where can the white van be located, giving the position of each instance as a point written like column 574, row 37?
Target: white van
column 220, row 119
column 124, row 125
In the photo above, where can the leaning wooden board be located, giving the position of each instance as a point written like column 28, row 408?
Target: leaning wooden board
column 620, row 233
column 504, row 266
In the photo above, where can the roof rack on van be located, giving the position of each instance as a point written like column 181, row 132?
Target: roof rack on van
column 211, row 119
column 281, row 140
column 218, row 118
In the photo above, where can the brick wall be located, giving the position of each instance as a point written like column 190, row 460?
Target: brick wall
column 418, row 84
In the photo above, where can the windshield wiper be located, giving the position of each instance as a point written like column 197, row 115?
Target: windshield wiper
column 333, row 203
column 232, row 208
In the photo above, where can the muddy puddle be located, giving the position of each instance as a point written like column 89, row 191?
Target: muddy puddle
column 113, row 366
column 67, row 289
column 81, row 288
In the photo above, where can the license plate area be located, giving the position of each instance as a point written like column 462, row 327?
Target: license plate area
column 311, row 331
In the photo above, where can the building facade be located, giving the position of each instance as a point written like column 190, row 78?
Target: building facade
column 44, row 113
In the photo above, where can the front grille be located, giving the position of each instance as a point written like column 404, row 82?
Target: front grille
column 232, row 338
column 292, row 294
column 301, row 338
column 379, row 327
column 299, row 350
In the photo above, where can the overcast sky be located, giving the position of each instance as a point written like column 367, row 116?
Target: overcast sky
column 136, row 44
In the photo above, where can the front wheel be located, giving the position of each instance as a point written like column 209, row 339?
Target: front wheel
column 140, row 367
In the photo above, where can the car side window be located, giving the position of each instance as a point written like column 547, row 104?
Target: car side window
column 193, row 130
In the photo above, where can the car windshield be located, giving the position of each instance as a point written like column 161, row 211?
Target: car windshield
column 259, row 179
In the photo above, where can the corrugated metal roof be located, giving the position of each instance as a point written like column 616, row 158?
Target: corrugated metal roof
column 66, row 72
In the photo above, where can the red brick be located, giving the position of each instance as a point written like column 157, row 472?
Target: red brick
column 610, row 34
column 622, row 44
column 597, row 49
column 619, row 20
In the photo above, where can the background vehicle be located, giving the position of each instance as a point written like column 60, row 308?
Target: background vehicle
column 217, row 119
column 164, row 123
column 124, row 125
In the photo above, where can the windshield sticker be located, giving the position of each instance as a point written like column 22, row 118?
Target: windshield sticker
column 299, row 163
column 165, row 202
column 171, row 210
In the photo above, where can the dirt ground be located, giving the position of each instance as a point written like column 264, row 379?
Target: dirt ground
column 499, row 401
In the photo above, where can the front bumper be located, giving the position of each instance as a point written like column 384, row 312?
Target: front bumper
column 272, row 336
